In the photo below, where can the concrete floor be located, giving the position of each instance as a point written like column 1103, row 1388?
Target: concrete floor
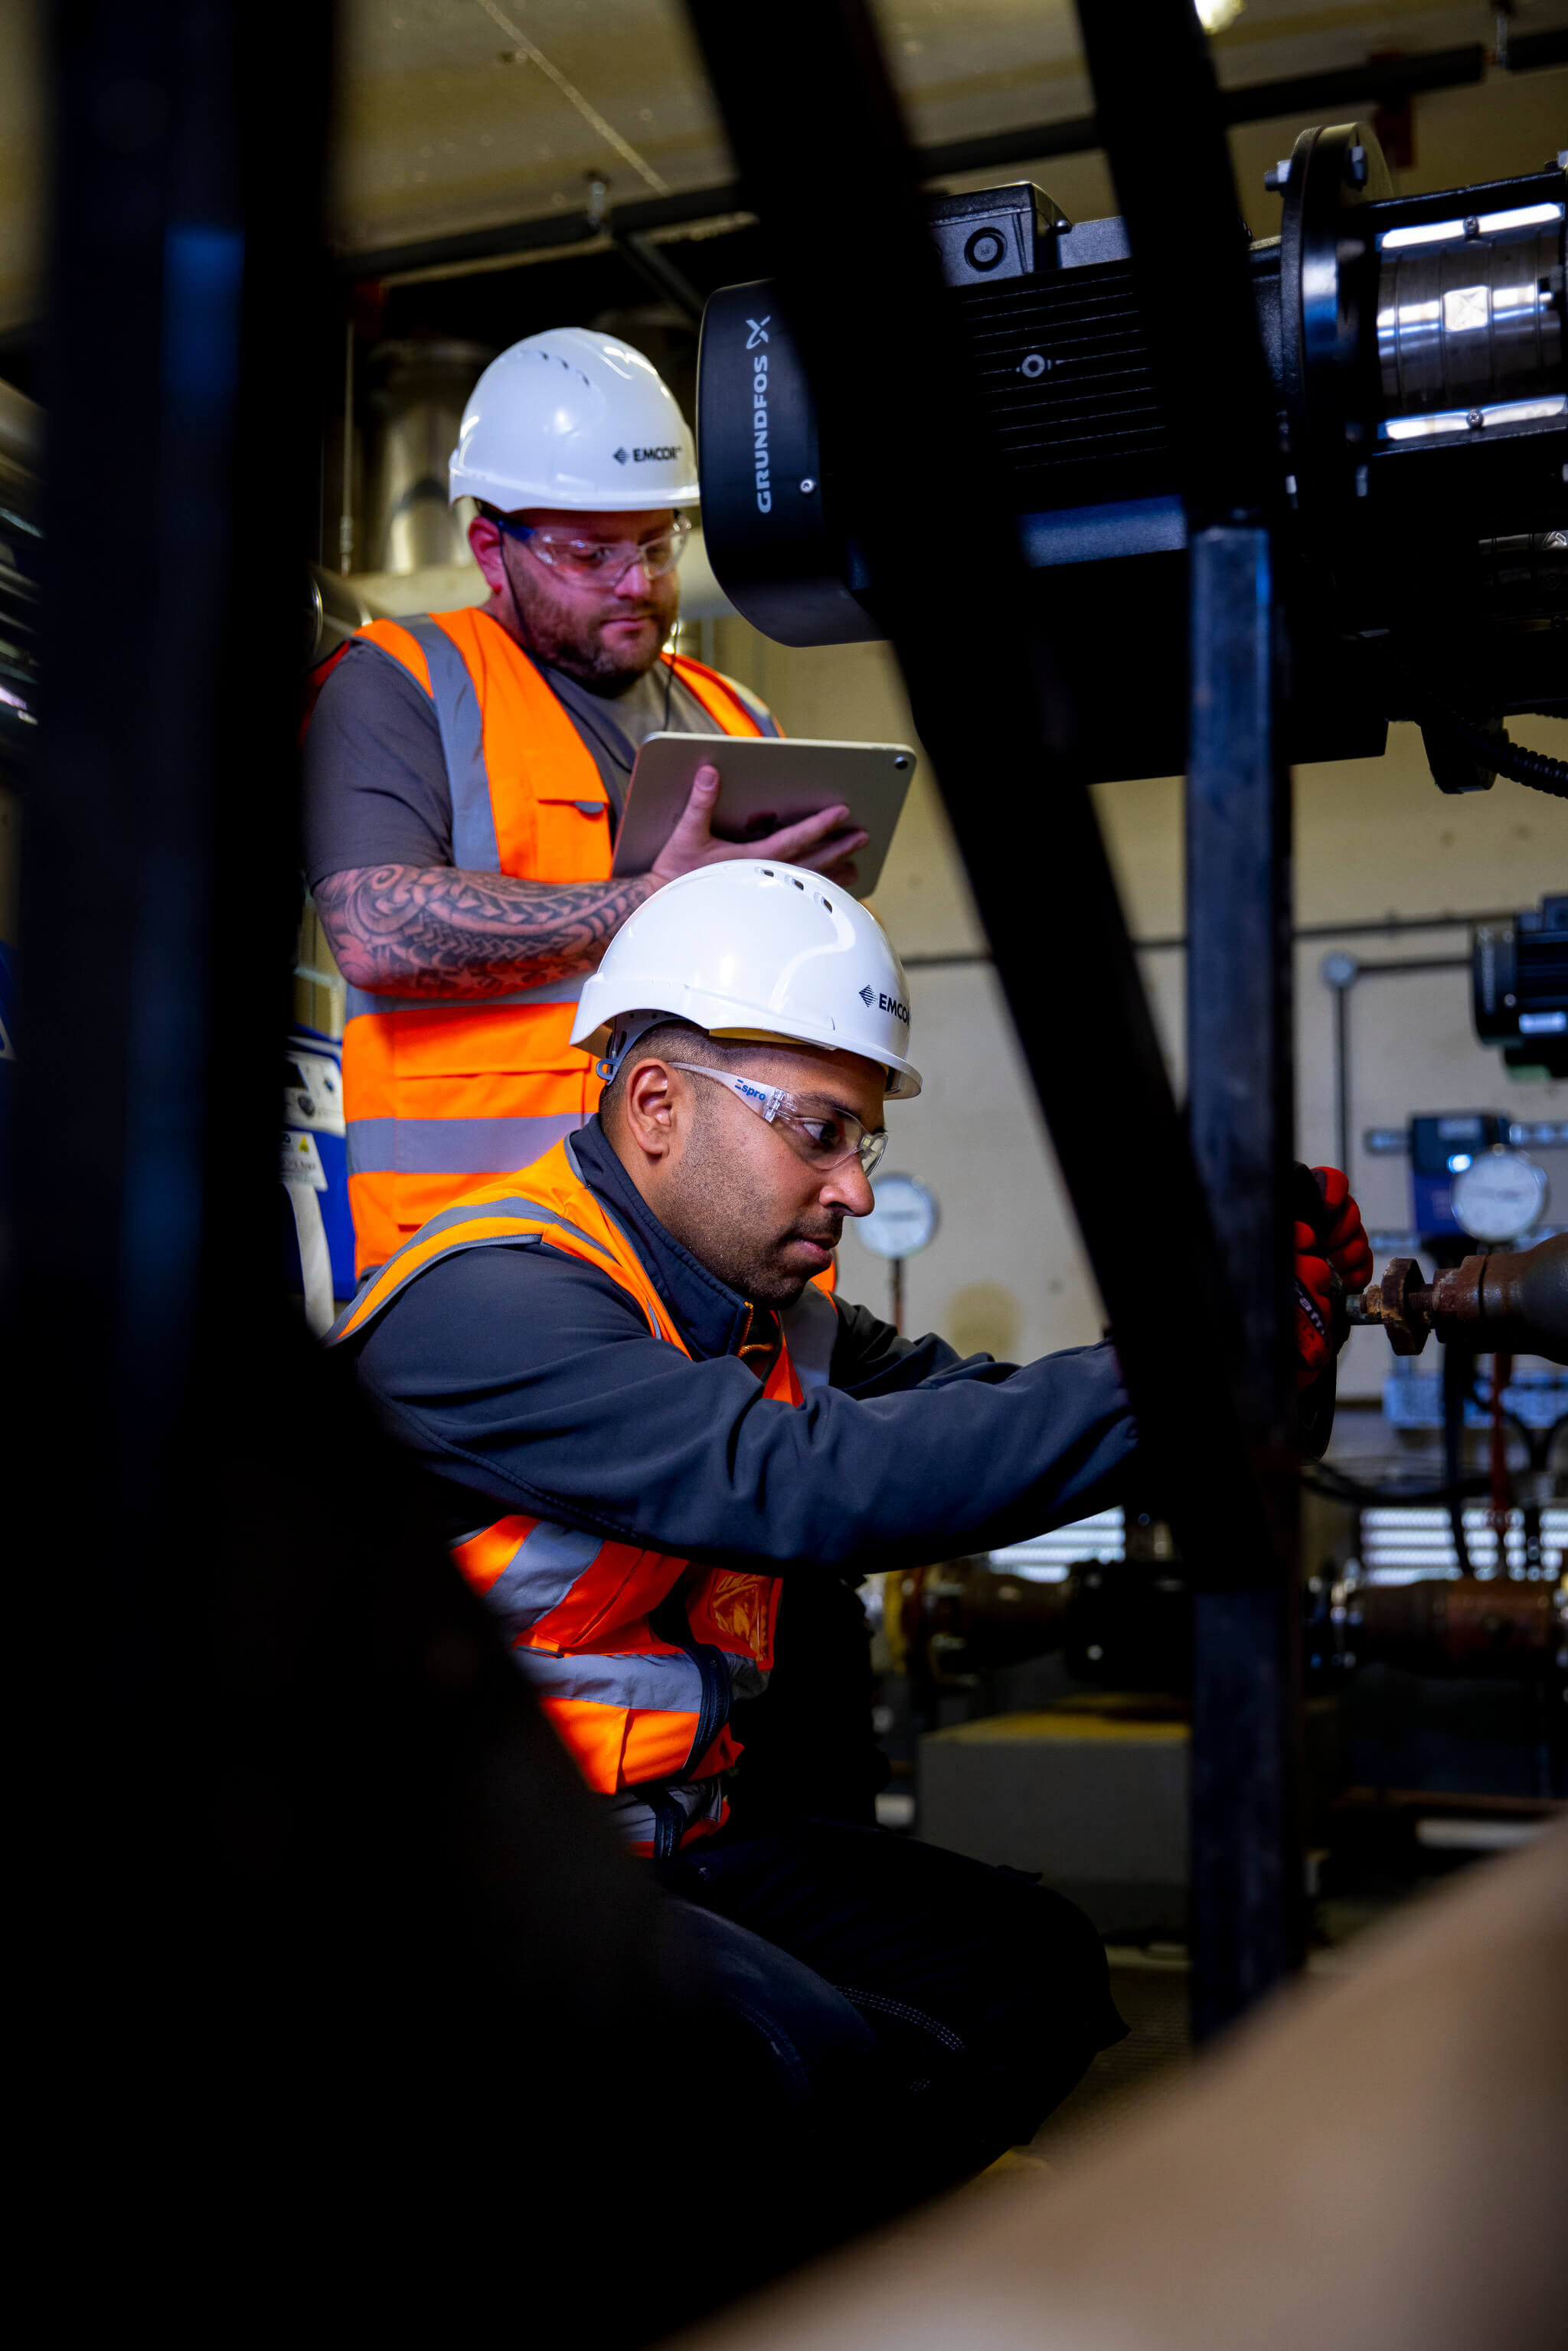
column 1151, row 1993
column 1150, row 1986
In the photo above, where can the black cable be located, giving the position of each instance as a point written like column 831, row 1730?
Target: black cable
column 1336, row 1488
column 1538, row 1442
column 1508, row 758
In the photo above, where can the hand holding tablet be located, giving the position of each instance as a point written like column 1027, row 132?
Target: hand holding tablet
column 696, row 799
column 825, row 842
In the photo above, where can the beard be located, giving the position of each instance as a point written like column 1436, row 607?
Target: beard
column 716, row 1218
column 574, row 643
column 757, row 1269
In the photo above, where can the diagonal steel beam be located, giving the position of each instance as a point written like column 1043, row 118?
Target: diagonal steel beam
column 858, row 278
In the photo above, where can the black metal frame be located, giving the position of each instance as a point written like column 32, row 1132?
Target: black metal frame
column 302, row 1859
column 1165, row 124
column 1204, row 1331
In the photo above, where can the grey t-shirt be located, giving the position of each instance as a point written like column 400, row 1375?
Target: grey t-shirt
column 375, row 779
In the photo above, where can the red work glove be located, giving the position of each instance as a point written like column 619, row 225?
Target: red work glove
column 1348, row 1250
column 1314, row 1307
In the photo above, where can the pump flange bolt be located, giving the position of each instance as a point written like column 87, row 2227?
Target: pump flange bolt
column 1276, row 176
column 1355, row 167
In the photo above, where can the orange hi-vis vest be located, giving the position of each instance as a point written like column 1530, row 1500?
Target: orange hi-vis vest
column 635, row 1656
column 440, row 1092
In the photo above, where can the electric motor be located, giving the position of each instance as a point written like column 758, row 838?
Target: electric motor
column 1416, row 350
column 1520, row 986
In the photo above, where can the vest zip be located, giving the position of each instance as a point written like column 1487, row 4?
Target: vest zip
column 669, row 1826
column 670, row 1623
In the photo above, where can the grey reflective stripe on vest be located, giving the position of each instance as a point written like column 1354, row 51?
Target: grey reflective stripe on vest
column 659, row 1685
column 451, row 1220
column 474, row 849
column 361, row 1001
column 539, row 1575
column 454, row 1147
column 463, row 1212
column 760, row 717
column 668, row 1683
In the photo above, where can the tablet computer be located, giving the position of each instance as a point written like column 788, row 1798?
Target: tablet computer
column 765, row 783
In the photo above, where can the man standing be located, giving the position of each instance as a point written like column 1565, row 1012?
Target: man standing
column 466, row 773
column 647, row 1434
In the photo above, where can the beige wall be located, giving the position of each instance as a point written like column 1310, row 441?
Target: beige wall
column 1373, row 838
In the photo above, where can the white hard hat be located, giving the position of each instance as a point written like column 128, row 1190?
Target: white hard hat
column 573, row 419
column 754, row 950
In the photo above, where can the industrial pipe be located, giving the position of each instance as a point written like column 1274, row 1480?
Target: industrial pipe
column 1515, row 1301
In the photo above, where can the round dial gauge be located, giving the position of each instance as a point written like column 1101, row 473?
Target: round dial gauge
column 903, row 1219
column 1499, row 1195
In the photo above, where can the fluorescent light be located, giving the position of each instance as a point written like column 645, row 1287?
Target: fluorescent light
column 1396, row 240
column 1215, row 15
column 1429, row 233
column 1476, row 1836
column 1525, row 216
column 1457, row 420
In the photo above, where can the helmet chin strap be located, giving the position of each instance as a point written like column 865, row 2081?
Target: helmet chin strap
column 627, row 1029
column 503, row 542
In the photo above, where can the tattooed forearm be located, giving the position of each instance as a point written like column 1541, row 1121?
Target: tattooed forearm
column 433, row 931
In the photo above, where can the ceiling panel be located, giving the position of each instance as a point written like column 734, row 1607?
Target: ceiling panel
column 449, row 125
column 459, row 114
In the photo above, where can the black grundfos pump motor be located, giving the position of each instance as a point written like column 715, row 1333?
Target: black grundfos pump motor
column 1416, row 346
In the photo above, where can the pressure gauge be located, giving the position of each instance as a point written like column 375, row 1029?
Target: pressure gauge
column 903, row 1219
column 1499, row 1195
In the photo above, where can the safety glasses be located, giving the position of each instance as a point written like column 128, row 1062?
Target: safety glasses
column 601, row 562
column 825, row 1139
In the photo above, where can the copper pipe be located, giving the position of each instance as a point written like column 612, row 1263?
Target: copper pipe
column 1511, row 1300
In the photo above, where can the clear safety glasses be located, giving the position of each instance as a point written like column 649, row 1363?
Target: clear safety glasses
column 825, row 1139
column 604, row 563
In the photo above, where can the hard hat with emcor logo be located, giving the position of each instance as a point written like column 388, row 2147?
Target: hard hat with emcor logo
column 576, row 420
column 754, row 951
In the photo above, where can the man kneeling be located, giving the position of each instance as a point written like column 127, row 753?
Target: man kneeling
column 645, row 1422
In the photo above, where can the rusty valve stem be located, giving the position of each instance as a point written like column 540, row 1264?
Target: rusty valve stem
column 1514, row 1300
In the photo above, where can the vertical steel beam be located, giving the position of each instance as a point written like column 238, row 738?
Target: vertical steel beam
column 300, row 1848
column 156, row 898
column 1161, row 117
column 1245, row 1851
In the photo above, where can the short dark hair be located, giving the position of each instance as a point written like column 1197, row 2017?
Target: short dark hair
column 671, row 1040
